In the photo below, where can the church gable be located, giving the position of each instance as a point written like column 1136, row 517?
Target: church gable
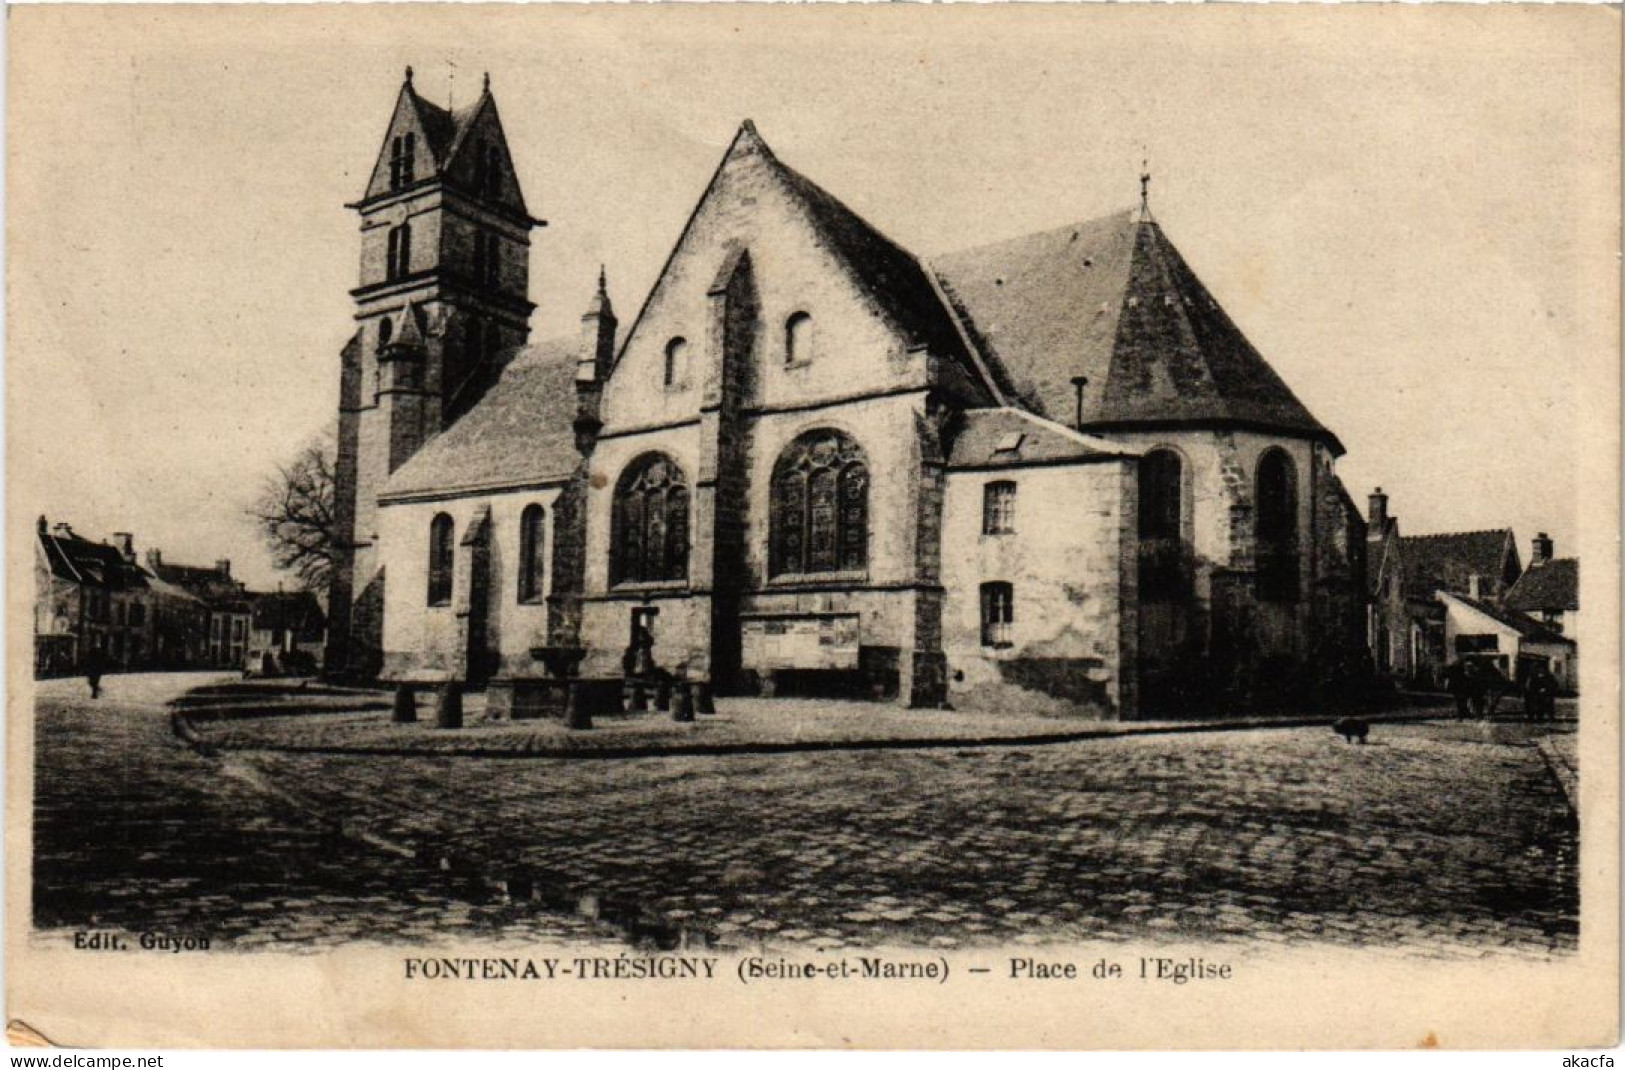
column 407, row 155
column 839, row 309
column 467, row 146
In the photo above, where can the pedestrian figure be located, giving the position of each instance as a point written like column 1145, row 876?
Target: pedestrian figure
column 1540, row 694
column 1458, row 681
column 93, row 673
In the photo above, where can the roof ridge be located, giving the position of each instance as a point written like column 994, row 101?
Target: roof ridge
column 1458, row 534
column 1127, row 213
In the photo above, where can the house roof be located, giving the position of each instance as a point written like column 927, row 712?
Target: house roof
column 1113, row 300
column 295, row 611
column 1012, row 438
column 1526, row 627
column 521, row 433
column 1446, row 561
column 1547, row 585
column 96, row 564
column 209, row 585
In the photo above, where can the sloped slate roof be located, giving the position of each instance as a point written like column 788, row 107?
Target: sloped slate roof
column 521, row 433
column 1446, row 561
column 1545, row 585
column 444, row 127
column 1112, row 299
column 886, row 271
column 1524, row 625
column 978, row 441
column 71, row 557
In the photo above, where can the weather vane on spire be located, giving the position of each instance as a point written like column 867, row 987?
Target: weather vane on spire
column 451, row 83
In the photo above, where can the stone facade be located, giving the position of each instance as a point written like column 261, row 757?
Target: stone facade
column 776, row 479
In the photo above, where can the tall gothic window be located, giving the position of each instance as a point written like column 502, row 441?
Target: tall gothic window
column 676, row 362
column 442, row 551
column 487, row 258
column 400, row 251
column 650, row 522
column 1276, row 532
column 532, row 554
column 386, row 330
column 819, row 514
column 1163, row 576
column 999, row 508
column 798, row 338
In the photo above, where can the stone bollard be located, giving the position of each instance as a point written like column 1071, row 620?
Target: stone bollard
column 663, row 694
column 702, row 697
column 448, row 710
column 576, row 714
column 405, row 710
column 682, row 706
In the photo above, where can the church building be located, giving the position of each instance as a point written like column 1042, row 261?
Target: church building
column 1048, row 474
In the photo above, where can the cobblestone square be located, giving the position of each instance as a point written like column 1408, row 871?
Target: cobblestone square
column 1437, row 838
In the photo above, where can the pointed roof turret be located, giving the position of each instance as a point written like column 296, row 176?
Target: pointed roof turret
column 600, row 304
column 407, row 331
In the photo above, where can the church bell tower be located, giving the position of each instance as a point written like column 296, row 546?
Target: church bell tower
column 442, row 299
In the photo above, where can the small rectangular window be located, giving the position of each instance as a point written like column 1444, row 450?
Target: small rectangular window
column 999, row 508
column 998, row 613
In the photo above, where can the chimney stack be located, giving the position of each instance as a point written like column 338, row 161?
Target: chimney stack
column 1377, row 512
column 125, row 542
column 1541, row 549
column 223, row 566
column 63, row 530
column 44, row 525
column 154, row 558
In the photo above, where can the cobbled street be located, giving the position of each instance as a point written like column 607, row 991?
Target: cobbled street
column 1437, row 838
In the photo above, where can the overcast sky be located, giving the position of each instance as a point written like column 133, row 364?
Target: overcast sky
column 1409, row 212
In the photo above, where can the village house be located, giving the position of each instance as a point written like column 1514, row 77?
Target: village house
column 1048, row 472
column 90, row 598
column 216, row 631
column 1436, row 598
column 287, row 633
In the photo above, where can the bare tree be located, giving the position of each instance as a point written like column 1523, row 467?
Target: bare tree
column 296, row 518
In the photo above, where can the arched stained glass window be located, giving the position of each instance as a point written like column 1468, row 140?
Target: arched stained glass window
column 650, row 522
column 819, row 518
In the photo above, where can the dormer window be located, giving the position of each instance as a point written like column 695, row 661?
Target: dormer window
column 798, row 339
column 676, row 373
